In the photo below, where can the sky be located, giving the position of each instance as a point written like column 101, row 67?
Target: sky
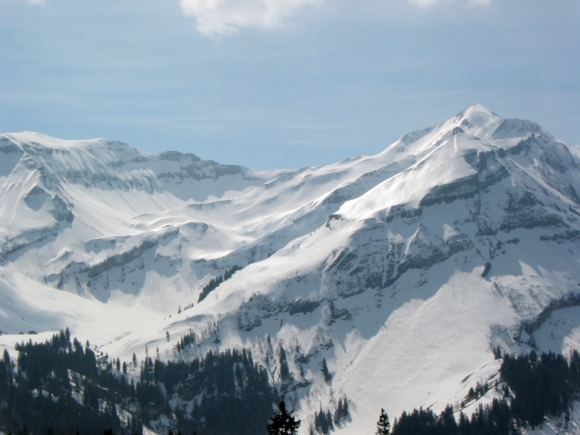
column 283, row 83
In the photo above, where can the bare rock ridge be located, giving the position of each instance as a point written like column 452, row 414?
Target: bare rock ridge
column 397, row 273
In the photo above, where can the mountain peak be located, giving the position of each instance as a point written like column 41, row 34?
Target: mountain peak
column 475, row 109
column 478, row 120
column 481, row 122
column 469, row 225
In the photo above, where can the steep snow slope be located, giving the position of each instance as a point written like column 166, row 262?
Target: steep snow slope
column 71, row 210
column 407, row 286
column 95, row 212
column 402, row 269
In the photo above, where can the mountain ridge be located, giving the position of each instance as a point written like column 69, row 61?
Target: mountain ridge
column 401, row 271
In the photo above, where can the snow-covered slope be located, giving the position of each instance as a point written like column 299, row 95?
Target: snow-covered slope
column 401, row 270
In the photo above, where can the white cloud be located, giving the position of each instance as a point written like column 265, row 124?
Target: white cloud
column 222, row 17
column 217, row 17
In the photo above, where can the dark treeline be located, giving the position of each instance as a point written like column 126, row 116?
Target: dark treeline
column 324, row 421
column 491, row 419
column 215, row 282
column 61, row 387
column 532, row 387
column 542, row 386
column 57, row 385
column 237, row 394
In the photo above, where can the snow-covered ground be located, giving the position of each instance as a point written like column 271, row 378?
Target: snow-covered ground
column 402, row 269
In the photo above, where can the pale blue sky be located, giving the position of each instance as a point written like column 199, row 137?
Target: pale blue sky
column 308, row 82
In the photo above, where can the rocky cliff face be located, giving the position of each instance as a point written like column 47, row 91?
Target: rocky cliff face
column 400, row 271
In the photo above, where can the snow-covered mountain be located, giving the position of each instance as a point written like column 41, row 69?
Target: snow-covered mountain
column 401, row 270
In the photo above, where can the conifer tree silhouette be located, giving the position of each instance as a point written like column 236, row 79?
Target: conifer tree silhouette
column 283, row 422
column 383, row 425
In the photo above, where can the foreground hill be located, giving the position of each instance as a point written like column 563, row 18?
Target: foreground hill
column 384, row 281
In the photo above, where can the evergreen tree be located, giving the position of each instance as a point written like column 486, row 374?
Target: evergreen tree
column 325, row 371
column 284, row 370
column 383, row 425
column 283, row 422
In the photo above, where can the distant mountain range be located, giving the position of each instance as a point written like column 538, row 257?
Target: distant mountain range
column 384, row 281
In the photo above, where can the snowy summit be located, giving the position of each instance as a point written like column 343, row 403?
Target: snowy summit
column 397, row 272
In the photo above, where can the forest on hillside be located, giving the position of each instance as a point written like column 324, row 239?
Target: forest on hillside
column 531, row 387
column 61, row 387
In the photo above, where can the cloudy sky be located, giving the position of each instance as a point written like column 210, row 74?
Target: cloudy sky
column 283, row 83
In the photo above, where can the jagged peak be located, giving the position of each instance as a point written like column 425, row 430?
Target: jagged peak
column 477, row 110
column 477, row 120
column 481, row 122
